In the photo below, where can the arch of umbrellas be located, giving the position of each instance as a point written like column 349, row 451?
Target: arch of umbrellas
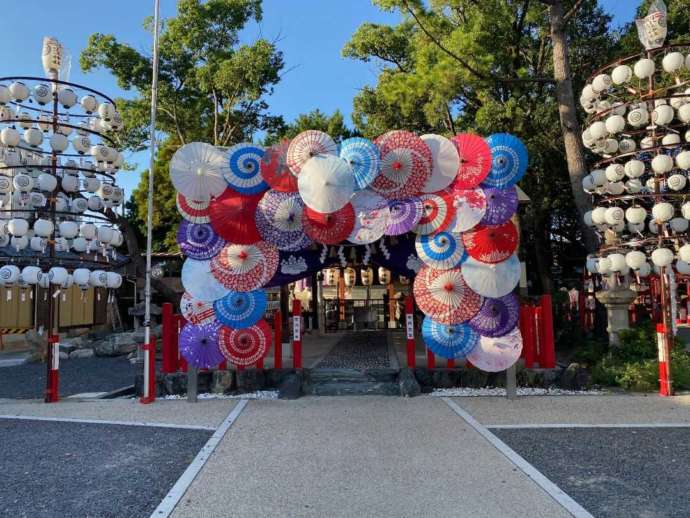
column 434, row 208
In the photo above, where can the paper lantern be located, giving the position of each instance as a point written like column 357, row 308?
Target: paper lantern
column 33, row 137
column 67, row 98
column 19, row 91
column 676, row 182
column 615, row 124
column 79, row 244
column 98, row 279
column 684, row 114
column 598, row 130
column 87, row 230
column 662, row 257
column 634, row 168
column 61, row 244
column 587, row 217
column 662, row 115
column 588, row 184
column 18, row 226
column 627, row 145
column 367, row 275
column 57, row 275
column 19, row 242
column 683, row 160
column 618, row 227
column 23, row 182
column 9, row 274
column 350, row 277
column 598, row 177
column 113, row 280
column 70, row 183
column 638, row 117
column 78, row 205
column 106, row 110
column 653, row 226
column 615, row 188
column 587, row 138
column 68, row 229
column 601, row 83
column 617, row 262
column 644, row 270
column 38, row 244
column 31, row 274
column 610, row 146
column 384, row 275
column 644, row 68
column 118, row 238
column 104, row 234
column 679, row 225
column 615, row 172
column 673, row 62
column 588, row 93
column 95, row 203
column 58, row 142
column 89, row 103
column 682, row 267
column 662, row 164
column 635, row 259
column 82, row 144
column 633, row 186
column 671, row 140
column 614, row 215
column 599, row 215
column 81, row 277
column 9, row 137
column 635, row 214
column 684, row 253
column 43, row 227
column 621, row 74
column 662, row 212
column 5, row 96
column 604, row 265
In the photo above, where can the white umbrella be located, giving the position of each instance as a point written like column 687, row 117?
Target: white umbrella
column 372, row 216
column 200, row 283
column 492, row 280
column 326, row 183
column 497, row 354
column 445, row 162
column 197, row 169
column 470, row 207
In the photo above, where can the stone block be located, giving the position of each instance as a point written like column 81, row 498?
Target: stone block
column 409, row 386
column 250, row 380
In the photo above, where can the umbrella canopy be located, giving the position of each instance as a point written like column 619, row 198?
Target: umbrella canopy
column 475, row 160
column 501, row 204
column 449, row 341
column 441, row 251
column 371, row 217
column 274, row 168
column 438, row 211
column 470, row 207
column 509, row 162
column 491, row 243
column 245, row 346
column 445, row 162
column 193, row 211
column 497, row 317
column 241, row 309
column 198, row 241
column 363, row 157
column 279, row 220
column 497, row 354
column 404, row 215
column 244, row 171
column 444, row 295
column 306, row 145
column 492, row 280
column 326, row 183
column 199, row 345
column 197, row 171
column 329, row 228
column 196, row 311
column 406, row 163
column 245, row 267
column 233, row 217
column 199, row 282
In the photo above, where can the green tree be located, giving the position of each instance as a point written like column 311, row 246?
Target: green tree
column 333, row 124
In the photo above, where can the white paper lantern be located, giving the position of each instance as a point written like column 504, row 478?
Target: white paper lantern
column 98, row 279
column 37, row 200
column 662, row 115
column 9, row 137
column 610, row 146
column 106, row 110
column 5, row 184
column 601, row 83
column 105, row 234
column 118, row 238
column 633, row 186
column 683, row 160
column 9, row 274
column 682, row 267
column 650, row 184
column 684, row 113
column 43, row 227
column 587, row 217
column 81, row 277
column 615, row 188
column 662, row 212
column 18, row 226
column 79, row 244
column 598, row 177
column 68, row 229
column 615, row 172
column 61, row 244
column 618, row 227
column 617, row 262
column 31, row 274
column 70, row 183
column 588, row 93
column 635, row 259
column 95, row 203
column 67, row 98
column 673, row 62
column 22, row 182
column 587, row 138
column 676, row 182
column 638, row 117
column 5, row 96
column 82, row 144
column 89, row 103
column 621, row 74
column 19, row 242
column 604, row 265
column 61, row 204
column 598, row 130
column 647, row 143
column 644, row 270
column 684, row 253
column 113, row 280
column 614, row 215
column 615, row 124
column 662, row 164
column 671, row 140
column 58, row 142
column 87, row 230
column 47, row 182
column 588, row 184
column 679, row 225
column 599, row 215
column 653, row 226
column 57, row 275
column 635, row 214
column 644, row 68
column 33, row 137
column 627, row 145
column 662, row 257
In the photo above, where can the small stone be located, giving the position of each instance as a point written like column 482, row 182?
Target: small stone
column 81, row 353
column 221, row 381
column 291, row 386
column 251, row 380
column 64, row 355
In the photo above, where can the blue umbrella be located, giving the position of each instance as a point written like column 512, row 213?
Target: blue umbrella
column 363, row 156
column 241, row 309
column 244, row 172
column 441, row 251
column 509, row 161
column 449, row 341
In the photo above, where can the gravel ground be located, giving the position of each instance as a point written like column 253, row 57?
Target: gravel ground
column 364, row 350
column 76, row 376
column 612, row 472
column 79, row 470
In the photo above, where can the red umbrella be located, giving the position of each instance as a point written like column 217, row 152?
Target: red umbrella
column 475, row 160
column 245, row 267
column 329, row 228
column 437, row 213
column 444, row 295
column 405, row 165
column 245, row 346
column 233, row 217
column 491, row 243
column 275, row 170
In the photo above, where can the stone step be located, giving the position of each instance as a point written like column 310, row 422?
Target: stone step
column 352, row 389
column 351, row 375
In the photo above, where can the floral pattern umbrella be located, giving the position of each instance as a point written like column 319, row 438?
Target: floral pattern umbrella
column 199, row 345
column 491, row 243
column 475, row 160
column 232, row 217
column 306, row 145
column 501, row 204
column 492, row 280
column 406, row 164
column 244, row 171
column 192, row 210
column 497, row 354
column 404, row 215
column 329, row 228
column 198, row 241
column 275, row 170
column 196, row 311
column 371, row 217
column 279, row 220
column 497, row 317
column 245, row 267
column 444, row 295
column 245, row 346
column 449, row 341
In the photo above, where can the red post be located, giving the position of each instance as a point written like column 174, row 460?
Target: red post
column 278, row 340
column 52, row 394
column 149, row 395
column 430, row 359
column 409, row 330
column 296, row 334
column 665, row 379
column 260, row 364
column 168, row 333
column 582, row 310
column 451, row 364
column 547, row 356
column 527, row 331
column 223, row 365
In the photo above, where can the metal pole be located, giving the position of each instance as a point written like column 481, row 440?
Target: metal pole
column 150, row 355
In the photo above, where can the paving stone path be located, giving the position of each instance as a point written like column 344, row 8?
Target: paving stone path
column 360, row 350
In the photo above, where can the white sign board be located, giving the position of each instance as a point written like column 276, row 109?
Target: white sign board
column 297, row 328
column 409, row 326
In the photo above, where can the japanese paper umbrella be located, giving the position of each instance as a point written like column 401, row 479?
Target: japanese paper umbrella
column 244, row 171
column 326, row 183
column 509, row 160
column 404, row 215
column 199, row 345
column 445, row 162
column 329, row 228
column 501, row 204
column 241, row 309
column 470, row 207
column 491, row 243
column 475, row 160
column 196, row 311
column 193, row 211
column 306, row 145
column 279, row 220
column 198, row 241
column 233, row 217
column 275, row 170
column 497, row 354
column 363, row 157
column 492, row 280
column 444, row 295
column 371, row 217
column 406, row 164
column 245, row 346
column 245, row 267
column 441, row 251
column 199, row 282
column 437, row 213
column 497, row 317
column 197, row 169
column 449, row 341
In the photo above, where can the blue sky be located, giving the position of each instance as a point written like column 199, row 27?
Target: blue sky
column 311, row 32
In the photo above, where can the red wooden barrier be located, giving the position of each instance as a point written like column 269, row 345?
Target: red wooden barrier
column 296, row 334
column 451, row 364
column 409, row 330
column 430, row 359
column 52, row 394
column 169, row 339
column 149, row 395
column 527, row 331
column 278, row 340
column 665, row 381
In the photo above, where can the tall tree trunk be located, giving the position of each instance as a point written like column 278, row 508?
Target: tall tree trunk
column 574, row 149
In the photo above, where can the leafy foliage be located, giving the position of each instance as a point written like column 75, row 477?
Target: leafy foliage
column 333, row 124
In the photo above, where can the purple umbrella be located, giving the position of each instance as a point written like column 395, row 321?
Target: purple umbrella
column 496, row 317
column 405, row 215
column 279, row 220
column 501, row 204
column 198, row 240
column 199, row 345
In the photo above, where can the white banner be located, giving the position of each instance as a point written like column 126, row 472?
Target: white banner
column 297, row 328
column 409, row 326
column 56, row 356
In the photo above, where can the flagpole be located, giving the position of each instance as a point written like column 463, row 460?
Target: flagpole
column 149, row 346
